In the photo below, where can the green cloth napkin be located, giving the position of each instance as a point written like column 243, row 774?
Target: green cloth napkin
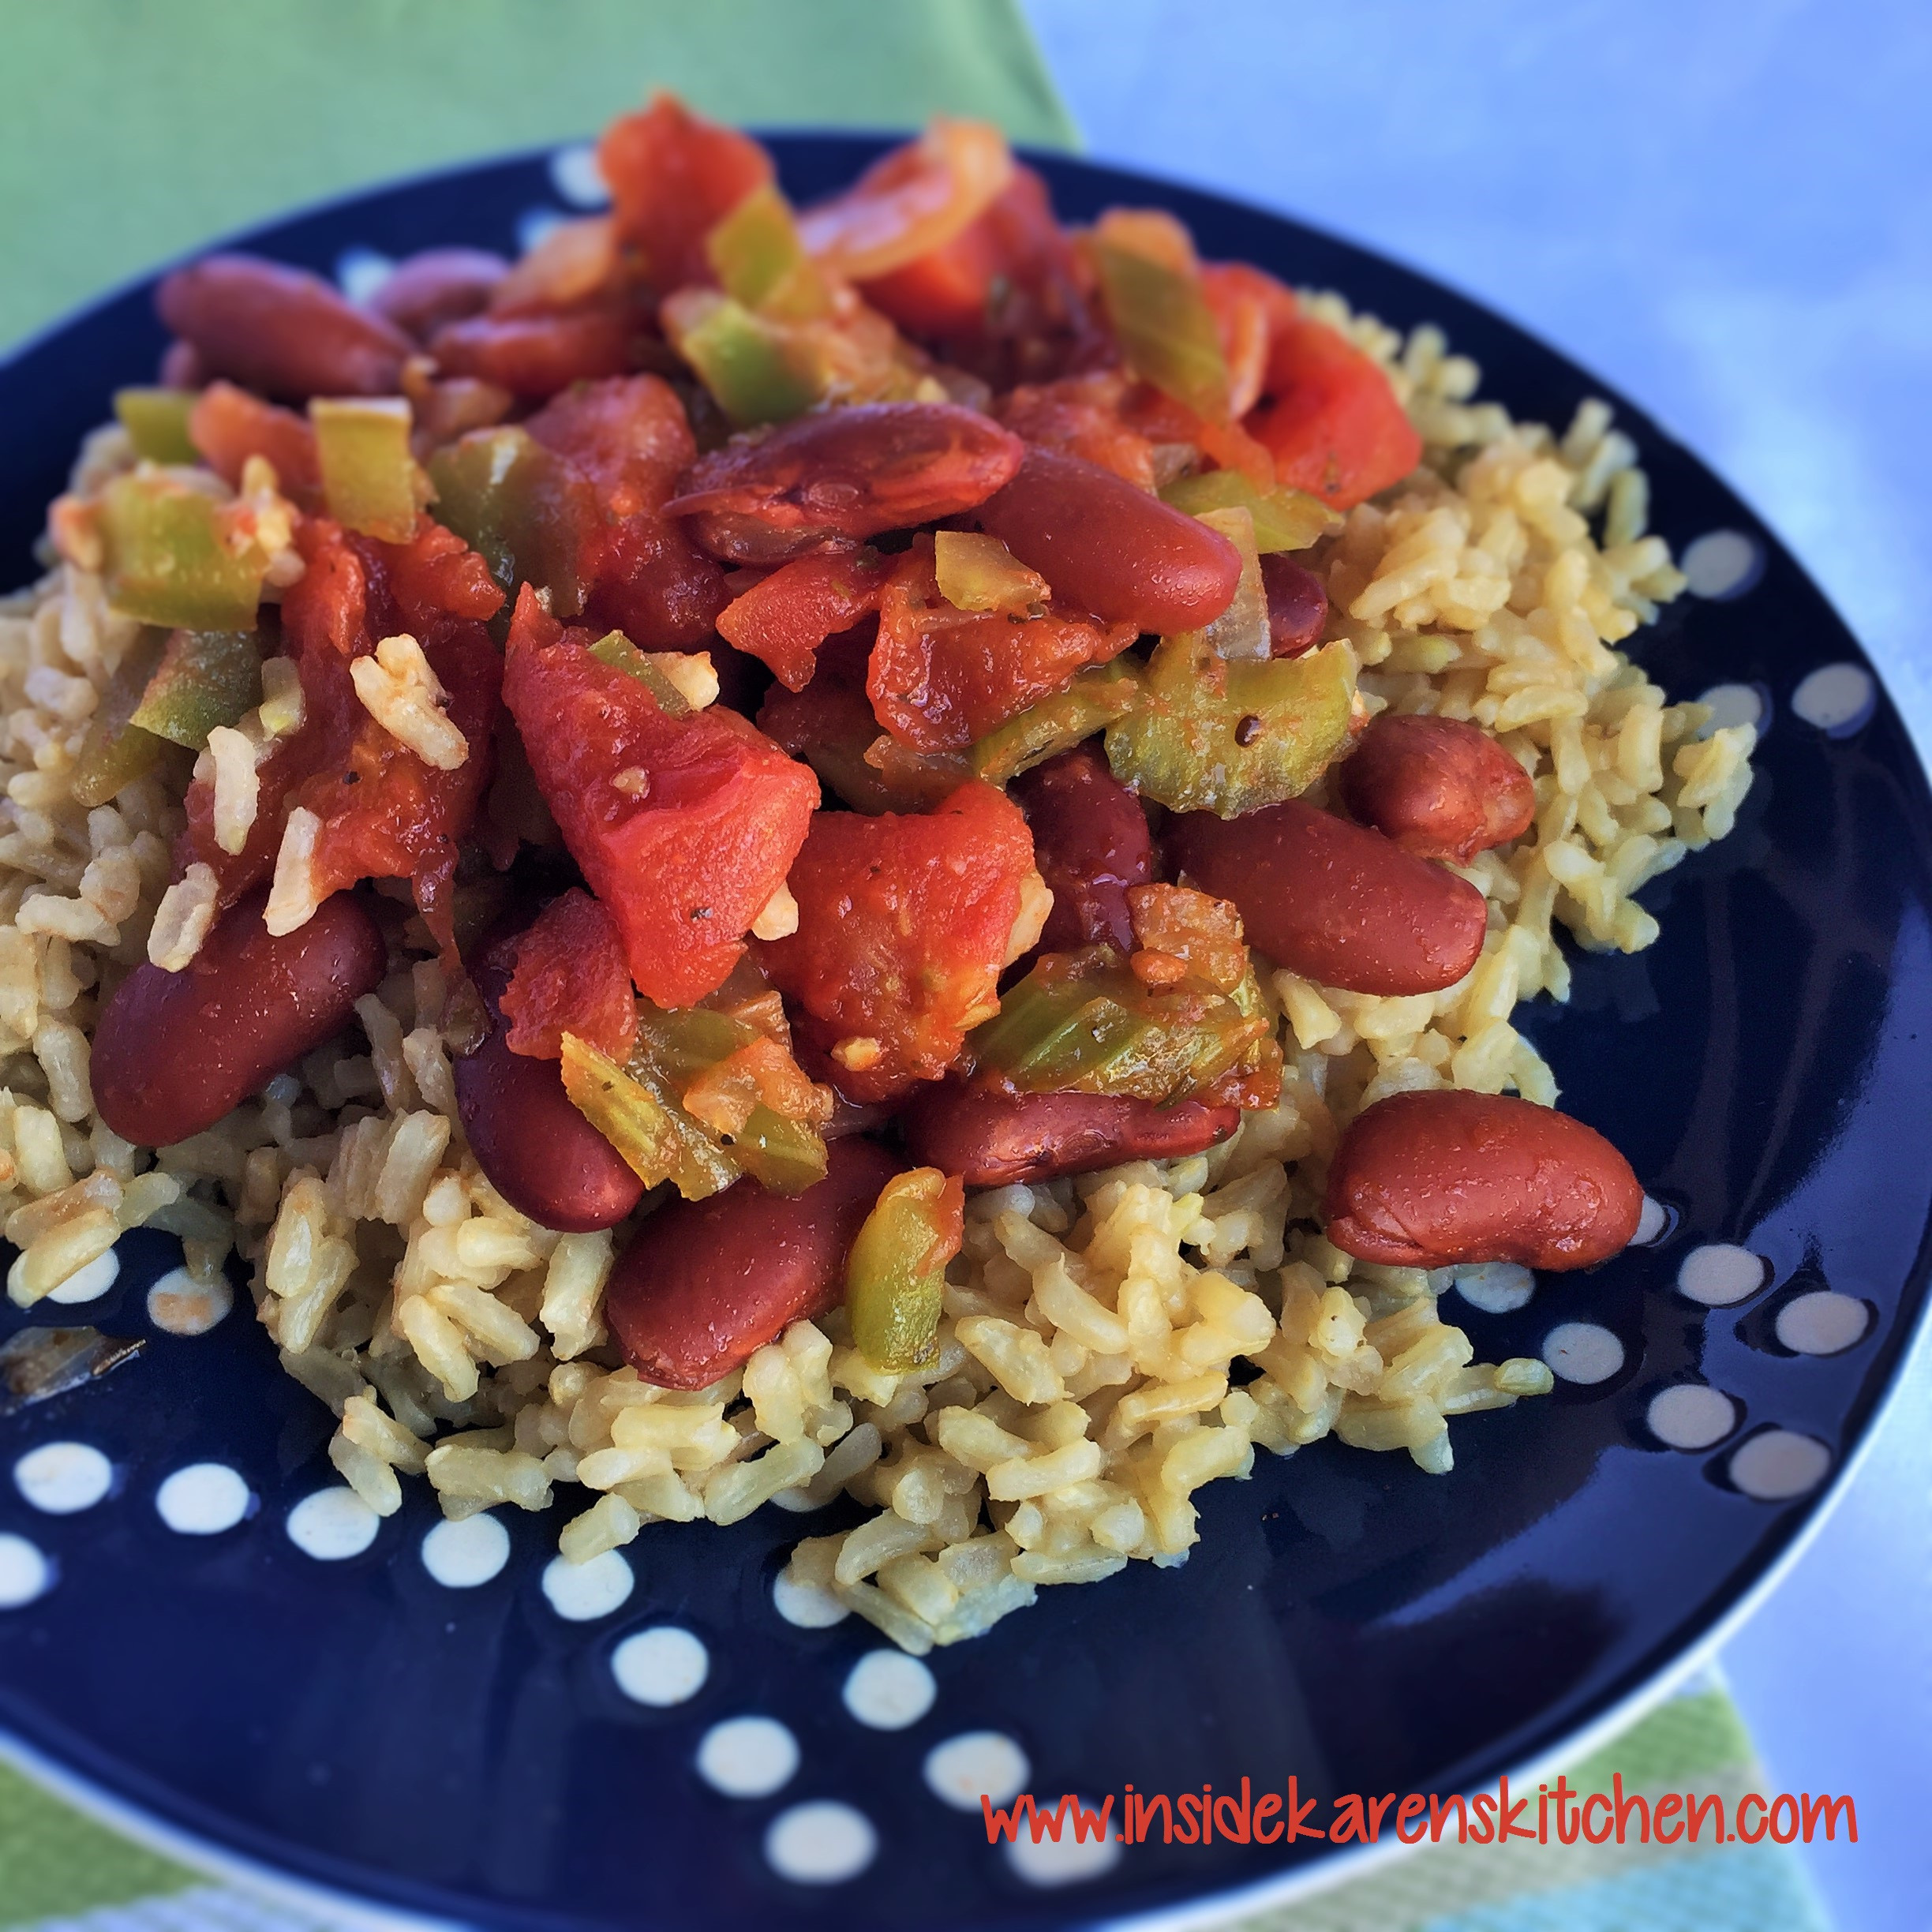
column 135, row 130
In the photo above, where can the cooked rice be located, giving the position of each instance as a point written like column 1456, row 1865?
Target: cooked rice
column 1109, row 1344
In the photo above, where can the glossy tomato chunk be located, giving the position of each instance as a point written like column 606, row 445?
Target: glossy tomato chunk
column 571, row 977
column 1330, row 421
column 784, row 618
column 673, row 177
column 940, row 677
column 904, row 923
column 683, row 827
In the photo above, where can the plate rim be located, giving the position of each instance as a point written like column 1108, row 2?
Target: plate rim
column 369, row 1910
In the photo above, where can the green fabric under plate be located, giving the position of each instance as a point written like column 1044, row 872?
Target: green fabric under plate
column 135, row 130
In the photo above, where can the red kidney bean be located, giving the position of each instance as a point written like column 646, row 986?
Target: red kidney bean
column 1297, row 603
column 704, row 1283
column 1110, row 549
column 541, row 1155
column 1090, row 842
column 991, row 1140
column 279, row 330
column 1336, row 903
column 536, row 355
column 1424, row 1179
column 843, row 476
column 181, row 368
column 425, row 290
column 175, row 1051
column 1439, row 788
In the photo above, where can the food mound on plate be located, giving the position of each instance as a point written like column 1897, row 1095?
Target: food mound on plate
column 880, row 850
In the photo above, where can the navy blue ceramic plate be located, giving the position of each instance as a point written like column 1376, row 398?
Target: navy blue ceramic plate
column 470, row 1753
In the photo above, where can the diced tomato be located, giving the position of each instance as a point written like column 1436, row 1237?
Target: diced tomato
column 1164, row 419
column 911, row 202
column 1249, row 307
column 940, row 677
column 571, row 977
column 783, row 618
column 904, row 926
column 385, row 814
column 683, row 827
column 1331, row 421
column 1082, row 416
column 672, row 178
column 643, row 576
column 228, row 425
column 1001, row 299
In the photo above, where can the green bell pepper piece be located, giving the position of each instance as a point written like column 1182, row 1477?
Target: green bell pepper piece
column 116, row 751
column 977, row 572
column 895, row 1278
column 760, row 261
column 157, row 421
column 370, row 479
column 1082, row 1023
column 1165, row 330
column 1284, row 518
column 523, row 509
column 168, row 560
column 204, row 679
column 1095, row 700
column 1210, row 735
column 657, row 1139
column 754, row 372
column 674, row 1048
column 614, row 649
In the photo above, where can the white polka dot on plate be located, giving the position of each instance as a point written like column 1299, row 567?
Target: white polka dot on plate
column 1823, row 1322
column 1653, row 1224
column 1778, row 1464
column 575, row 175
column 180, row 1306
column 333, row 1524
column 1582, row 1351
column 1069, row 1859
column 361, row 272
column 976, row 1765
column 1836, row 698
column 89, row 1283
column 1691, row 1415
column 1495, row 1287
column 822, row 1843
column 1719, row 1274
column 1732, row 704
column 62, row 1478
column 462, row 1556
column 1722, row 564
column 582, row 1593
column 661, row 1667
column 889, row 1690
column 748, row 1757
column 535, row 225
column 25, row 1574
column 204, row 1499
column 809, row 1606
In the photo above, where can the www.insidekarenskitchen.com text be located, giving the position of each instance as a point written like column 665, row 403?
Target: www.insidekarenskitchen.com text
column 1557, row 1811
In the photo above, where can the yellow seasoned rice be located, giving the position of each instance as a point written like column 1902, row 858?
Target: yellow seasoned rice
column 1109, row 1344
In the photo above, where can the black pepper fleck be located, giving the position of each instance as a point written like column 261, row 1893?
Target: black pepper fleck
column 1248, row 730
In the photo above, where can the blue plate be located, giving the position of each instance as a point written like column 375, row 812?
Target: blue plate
column 1346, row 1620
